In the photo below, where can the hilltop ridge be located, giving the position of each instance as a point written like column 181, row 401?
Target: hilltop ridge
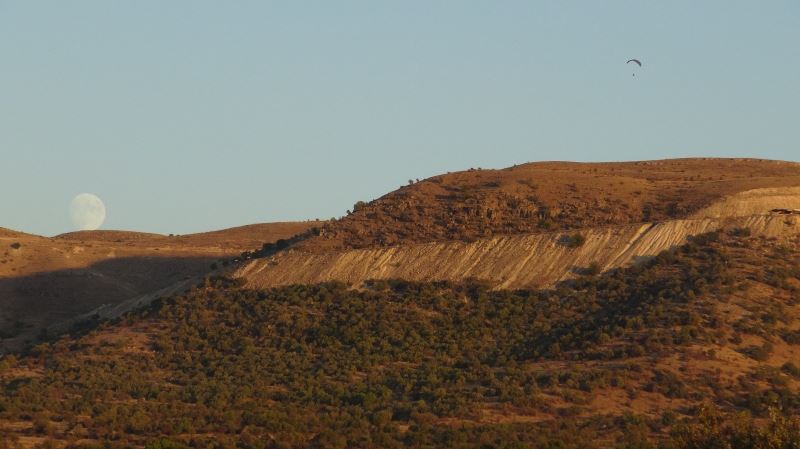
column 238, row 238
column 547, row 196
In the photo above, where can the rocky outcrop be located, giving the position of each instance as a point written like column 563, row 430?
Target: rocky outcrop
column 537, row 260
column 752, row 202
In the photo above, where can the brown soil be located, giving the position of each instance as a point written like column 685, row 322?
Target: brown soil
column 542, row 196
column 237, row 239
column 505, row 262
column 44, row 281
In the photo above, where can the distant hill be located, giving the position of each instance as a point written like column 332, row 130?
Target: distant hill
column 111, row 236
column 548, row 196
column 239, row 238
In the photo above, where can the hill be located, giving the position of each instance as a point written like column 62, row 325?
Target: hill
column 667, row 350
column 44, row 281
column 584, row 217
column 237, row 239
column 548, row 196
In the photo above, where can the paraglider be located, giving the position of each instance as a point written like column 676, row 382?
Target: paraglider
column 636, row 61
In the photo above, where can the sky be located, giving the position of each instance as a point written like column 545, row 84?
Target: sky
column 185, row 116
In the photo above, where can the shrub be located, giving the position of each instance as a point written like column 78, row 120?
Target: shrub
column 791, row 369
column 593, row 269
column 712, row 430
column 573, row 240
column 740, row 232
column 760, row 353
column 358, row 206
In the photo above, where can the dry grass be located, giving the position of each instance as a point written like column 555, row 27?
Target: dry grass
column 44, row 281
column 548, row 195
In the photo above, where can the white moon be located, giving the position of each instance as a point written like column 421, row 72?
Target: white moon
column 87, row 212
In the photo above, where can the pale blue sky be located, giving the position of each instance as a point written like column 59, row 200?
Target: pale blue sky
column 194, row 115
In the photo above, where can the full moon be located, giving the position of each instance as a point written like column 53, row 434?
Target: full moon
column 87, row 212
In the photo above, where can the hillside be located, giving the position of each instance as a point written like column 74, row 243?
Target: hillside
column 548, row 196
column 44, row 281
column 516, row 261
column 11, row 234
column 667, row 350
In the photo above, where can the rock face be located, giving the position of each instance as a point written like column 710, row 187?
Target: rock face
column 753, row 202
column 537, row 260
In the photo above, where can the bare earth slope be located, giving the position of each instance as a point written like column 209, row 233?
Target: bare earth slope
column 544, row 196
column 521, row 261
column 47, row 280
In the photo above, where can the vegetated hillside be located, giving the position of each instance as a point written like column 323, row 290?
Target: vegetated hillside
column 44, row 281
column 545, row 196
column 518, row 261
column 663, row 351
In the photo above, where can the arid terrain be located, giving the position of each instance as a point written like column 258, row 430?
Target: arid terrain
column 551, row 196
column 512, row 227
column 547, row 305
column 45, row 281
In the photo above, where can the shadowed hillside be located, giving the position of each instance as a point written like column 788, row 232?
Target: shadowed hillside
column 33, row 303
column 44, row 281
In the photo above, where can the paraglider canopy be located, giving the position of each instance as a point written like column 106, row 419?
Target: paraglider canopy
column 635, row 61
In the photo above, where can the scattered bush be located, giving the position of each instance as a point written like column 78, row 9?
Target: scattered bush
column 574, row 240
column 740, row 232
column 791, row 369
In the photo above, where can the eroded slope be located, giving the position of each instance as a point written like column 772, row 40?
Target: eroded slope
column 535, row 260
